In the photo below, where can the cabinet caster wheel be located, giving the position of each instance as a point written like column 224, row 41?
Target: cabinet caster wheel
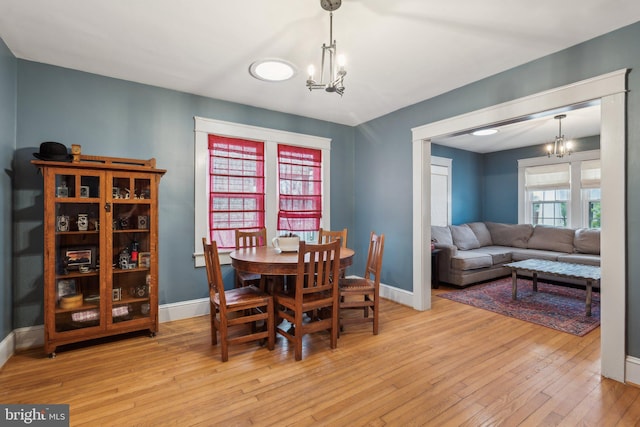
column 152, row 334
column 52, row 355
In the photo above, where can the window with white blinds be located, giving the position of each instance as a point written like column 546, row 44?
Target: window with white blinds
column 562, row 192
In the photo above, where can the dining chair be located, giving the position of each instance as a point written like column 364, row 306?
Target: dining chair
column 249, row 239
column 363, row 293
column 311, row 305
column 236, row 307
column 326, row 236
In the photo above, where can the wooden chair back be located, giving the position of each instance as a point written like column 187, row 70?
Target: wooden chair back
column 317, row 266
column 214, row 273
column 251, row 239
column 326, row 236
column 374, row 258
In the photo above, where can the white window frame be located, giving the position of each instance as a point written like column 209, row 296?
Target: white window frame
column 271, row 138
column 447, row 163
column 575, row 210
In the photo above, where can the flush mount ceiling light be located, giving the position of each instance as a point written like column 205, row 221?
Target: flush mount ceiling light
column 484, row 132
column 272, row 70
column 560, row 146
column 335, row 71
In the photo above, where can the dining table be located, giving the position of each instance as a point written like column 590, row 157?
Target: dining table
column 267, row 260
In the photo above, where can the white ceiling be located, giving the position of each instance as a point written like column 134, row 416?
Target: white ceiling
column 399, row 52
column 580, row 121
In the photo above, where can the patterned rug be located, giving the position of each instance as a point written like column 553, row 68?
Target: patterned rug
column 558, row 307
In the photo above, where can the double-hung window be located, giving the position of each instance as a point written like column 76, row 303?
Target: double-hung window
column 560, row 192
column 248, row 177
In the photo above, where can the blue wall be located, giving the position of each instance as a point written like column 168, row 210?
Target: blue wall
column 111, row 117
column 8, row 73
column 386, row 144
column 467, row 170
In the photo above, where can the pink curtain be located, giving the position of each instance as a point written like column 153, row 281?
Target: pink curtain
column 236, row 190
column 300, row 184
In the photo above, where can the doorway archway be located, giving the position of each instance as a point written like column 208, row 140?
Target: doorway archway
column 610, row 89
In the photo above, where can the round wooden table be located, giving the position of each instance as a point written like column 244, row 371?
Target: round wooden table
column 267, row 260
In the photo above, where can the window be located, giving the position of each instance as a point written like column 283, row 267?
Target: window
column 240, row 206
column 561, row 192
column 236, row 196
column 300, row 190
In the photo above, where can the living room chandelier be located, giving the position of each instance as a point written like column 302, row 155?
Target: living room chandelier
column 560, row 146
column 335, row 66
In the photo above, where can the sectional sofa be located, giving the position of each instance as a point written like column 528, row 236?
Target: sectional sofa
column 477, row 251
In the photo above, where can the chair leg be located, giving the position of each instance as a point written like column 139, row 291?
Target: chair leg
column 224, row 342
column 214, row 333
column 298, row 336
column 271, row 328
column 375, row 316
column 335, row 322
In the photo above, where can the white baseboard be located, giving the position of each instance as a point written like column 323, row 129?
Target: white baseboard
column 183, row 310
column 632, row 371
column 29, row 337
column 398, row 295
column 7, row 347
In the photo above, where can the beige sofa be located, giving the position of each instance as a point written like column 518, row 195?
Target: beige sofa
column 477, row 251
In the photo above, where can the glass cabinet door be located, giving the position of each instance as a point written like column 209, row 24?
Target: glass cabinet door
column 77, row 250
column 131, row 199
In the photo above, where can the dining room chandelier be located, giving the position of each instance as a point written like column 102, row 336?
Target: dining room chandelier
column 331, row 62
column 560, row 146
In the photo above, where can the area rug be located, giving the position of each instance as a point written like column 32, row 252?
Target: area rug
column 558, row 307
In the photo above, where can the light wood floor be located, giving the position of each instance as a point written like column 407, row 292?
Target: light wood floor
column 453, row 365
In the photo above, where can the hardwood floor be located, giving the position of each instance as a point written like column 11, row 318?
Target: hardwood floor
column 453, row 365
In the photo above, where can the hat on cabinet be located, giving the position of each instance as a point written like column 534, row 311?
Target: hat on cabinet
column 53, row 151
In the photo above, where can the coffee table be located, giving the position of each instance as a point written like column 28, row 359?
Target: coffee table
column 589, row 273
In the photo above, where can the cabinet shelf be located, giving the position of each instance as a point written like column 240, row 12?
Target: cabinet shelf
column 83, row 307
column 103, row 182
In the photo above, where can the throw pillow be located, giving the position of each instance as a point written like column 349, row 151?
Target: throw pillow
column 587, row 241
column 441, row 234
column 463, row 237
column 482, row 233
column 515, row 235
column 551, row 238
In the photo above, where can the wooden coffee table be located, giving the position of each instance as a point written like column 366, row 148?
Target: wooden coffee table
column 589, row 273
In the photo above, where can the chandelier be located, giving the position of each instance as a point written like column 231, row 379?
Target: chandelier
column 335, row 70
column 560, row 146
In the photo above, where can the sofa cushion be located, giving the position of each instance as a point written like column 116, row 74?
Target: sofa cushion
column 515, row 235
column 470, row 260
column 482, row 233
column 581, row 259
column 499, row 254
column 552, row 239
column 441, row 234
column 463, row 237
column 522, row 254
column 587, row 240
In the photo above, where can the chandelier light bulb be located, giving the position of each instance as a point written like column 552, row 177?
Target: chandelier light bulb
column 342, row 61
column 311, row 71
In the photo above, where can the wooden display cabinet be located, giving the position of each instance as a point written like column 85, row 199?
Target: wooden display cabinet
column 100, row 248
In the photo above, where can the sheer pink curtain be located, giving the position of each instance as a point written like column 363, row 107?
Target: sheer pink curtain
column 300, row 183
column 236, row 188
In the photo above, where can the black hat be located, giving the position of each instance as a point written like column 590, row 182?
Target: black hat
column 53, row 151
